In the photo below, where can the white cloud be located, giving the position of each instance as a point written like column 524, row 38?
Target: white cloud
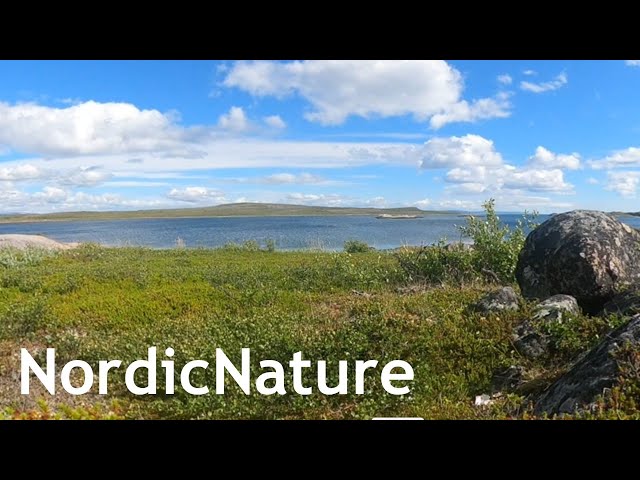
column 290, row 178
column 558, row 82
column 529, row 73
column 592, row 181
column 422, row 203
column 197, row 195
column 274, row 121
column 20, row 172
column 497, row 107
column 466, row 151
column 234, row 121
column 629, row 157
column 86, row 177
column 337, row 89
column 624, row 183
column 470, row 188
column 331, row 200
column 537, row 181
column 632, row 63
column 546, row 159
column 52, row 195
column 86, row 128
column 505, row 79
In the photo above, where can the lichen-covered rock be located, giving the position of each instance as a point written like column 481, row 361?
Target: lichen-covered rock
column 528, row 338
column 586, row 254
column 554, row 308
column 625, row 304
column 505, row 299
column 529, row 341
column 593, row 373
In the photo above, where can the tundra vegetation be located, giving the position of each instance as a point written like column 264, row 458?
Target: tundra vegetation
column 415, row 304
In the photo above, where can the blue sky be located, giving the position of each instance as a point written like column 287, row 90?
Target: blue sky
column 111, row 135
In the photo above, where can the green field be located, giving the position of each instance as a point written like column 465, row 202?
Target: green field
column 229, row 210
column 95, row 303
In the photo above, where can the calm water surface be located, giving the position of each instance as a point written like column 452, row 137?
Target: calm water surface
column 289, row 233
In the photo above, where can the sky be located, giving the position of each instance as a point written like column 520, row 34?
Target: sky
column 549, row 136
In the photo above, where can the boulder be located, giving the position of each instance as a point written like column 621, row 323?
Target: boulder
column 586, row 254
column 591, row 375
column 554, row 308
column 505, row 299
column 625, row 304
column 527, row 338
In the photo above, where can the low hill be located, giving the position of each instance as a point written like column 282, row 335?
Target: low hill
column 227, row 210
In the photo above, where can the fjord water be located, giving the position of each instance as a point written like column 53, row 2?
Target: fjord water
column 289, row 233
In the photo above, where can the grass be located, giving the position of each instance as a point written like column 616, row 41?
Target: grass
column 229, row 210
column 95, row 303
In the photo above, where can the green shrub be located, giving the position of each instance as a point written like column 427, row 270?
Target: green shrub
column 496, row 246
column 493, row 257
column 356, row 246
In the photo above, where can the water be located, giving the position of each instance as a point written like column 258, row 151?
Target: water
column 289, row 233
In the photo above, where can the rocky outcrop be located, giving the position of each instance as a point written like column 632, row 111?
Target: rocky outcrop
column 624, row 304
column 593, row 373
column 22, row 242
column 528, row 337
column 587, row 254
column 505, row 299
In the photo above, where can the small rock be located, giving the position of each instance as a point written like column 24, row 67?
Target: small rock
column 505, row 299
column 483, row 400
column 529, row 342
column 591, row 375
column 553, row 308
column 508, row 379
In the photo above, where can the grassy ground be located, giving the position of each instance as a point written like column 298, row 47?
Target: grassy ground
column 96, row 304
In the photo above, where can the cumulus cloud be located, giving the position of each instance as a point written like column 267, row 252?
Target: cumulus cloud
column 274, row 121
column 529, row 73
column 337, row 89
column 469, row 150
column 86, row 128
column 537, row 181
column 480, row 168
column 425, row 202
column 592, row 181
column 234, row 120
column 21, row 172
column 632, row 63
column 197, row 195
column 629, row 157
column 624, row 183
column 558, row 82
column 505, row 79
column 547, row 159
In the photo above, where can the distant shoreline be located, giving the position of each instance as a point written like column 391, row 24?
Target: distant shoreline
column 220, row 211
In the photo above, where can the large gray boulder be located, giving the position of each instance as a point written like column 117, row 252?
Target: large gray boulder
column 586, row 254
column 593, row 373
